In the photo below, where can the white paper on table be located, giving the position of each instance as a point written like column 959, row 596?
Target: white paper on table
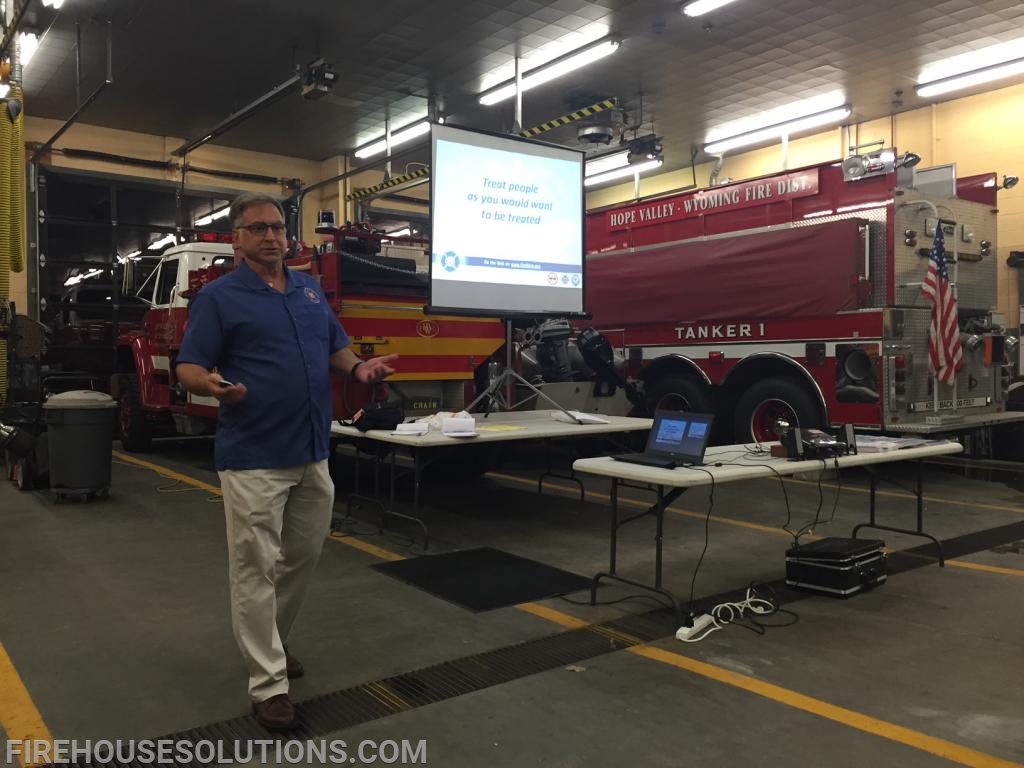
column 579, row 417
column 458, row 427
column 412, row 428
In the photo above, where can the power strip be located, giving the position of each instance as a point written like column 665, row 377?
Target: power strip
column 701, row 624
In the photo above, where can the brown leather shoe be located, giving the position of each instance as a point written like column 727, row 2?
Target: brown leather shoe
column 292, row 665
column 276, row 713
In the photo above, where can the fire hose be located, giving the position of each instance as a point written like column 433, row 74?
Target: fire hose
column 12, row 212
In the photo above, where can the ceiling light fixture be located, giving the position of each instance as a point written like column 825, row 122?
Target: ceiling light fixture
column 609, row 162
column 779, row 130
column 622, row 173
column 133, row 256
column 967, row 70
column 700, row 7
column 970, row 79
column 76, row 279
column 29, row 42
column 401, row 136
column 156, row 245
column 544, row 73
column 210, row 218
column 55, row 4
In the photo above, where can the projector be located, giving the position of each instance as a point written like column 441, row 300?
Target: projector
column 319, row 80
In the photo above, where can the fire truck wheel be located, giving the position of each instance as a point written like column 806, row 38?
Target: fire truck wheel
column 679, row 393
column 768, row 401
column 136, row 432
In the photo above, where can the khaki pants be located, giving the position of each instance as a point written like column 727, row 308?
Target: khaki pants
column 277, row 520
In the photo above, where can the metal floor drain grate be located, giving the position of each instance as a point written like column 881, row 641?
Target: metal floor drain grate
column 337, row 711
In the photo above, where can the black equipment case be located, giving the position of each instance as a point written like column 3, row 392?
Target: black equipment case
column 837, row 567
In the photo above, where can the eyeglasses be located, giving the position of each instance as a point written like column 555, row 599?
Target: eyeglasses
column 259, row 228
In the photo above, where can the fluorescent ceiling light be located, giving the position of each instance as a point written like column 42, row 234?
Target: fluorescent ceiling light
column 970, row 79
column 596, row 165
column 133, row 256
column 55, row 4
column 401, row 136
column 406, row 232
column 777, row 115
column 968, row 62
column 204, row 220
column 29, row 43
column 548, row 72
column 158, row 244
column 623, row 172
column 779, row 130
column 700, row 7
column 549, row 51
column 76, row 279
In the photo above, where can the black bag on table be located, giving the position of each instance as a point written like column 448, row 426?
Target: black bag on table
column 377, row 416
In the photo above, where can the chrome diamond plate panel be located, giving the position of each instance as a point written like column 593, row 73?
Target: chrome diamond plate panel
column 975, row 275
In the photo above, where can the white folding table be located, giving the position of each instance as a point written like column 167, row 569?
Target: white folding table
column 732, row 463
column 490, row 428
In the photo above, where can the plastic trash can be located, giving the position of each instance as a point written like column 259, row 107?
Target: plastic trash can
column 80, row 434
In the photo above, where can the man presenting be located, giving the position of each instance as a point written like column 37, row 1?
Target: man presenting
column 262, row 340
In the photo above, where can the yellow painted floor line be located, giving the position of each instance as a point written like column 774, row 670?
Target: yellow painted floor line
column 775, row 531
column 915, row 739
column 848, row 717
column 19, row 716
column 985, row 568
column 168, row 473
column 905, row 495
column 555, row 617
column 364, row 546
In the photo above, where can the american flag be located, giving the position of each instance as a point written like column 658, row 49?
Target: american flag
column 944, row 348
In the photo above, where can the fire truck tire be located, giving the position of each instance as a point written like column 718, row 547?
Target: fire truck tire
column 136, row 433
column 679, row 393
column 768, row 400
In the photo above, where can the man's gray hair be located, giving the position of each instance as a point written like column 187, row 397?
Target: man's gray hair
column 247, row 200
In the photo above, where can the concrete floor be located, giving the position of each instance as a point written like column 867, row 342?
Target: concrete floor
column 114, row 616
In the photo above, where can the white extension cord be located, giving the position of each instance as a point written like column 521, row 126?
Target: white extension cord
column 721, row 615
column 700, row 627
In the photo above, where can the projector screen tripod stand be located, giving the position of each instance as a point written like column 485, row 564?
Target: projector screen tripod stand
column 506, row 380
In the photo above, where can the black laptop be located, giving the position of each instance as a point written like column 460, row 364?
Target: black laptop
column 677, row 439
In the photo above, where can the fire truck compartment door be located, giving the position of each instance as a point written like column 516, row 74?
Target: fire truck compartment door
column 799, row 272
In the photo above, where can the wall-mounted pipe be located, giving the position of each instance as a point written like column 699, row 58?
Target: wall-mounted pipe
column 716, row 170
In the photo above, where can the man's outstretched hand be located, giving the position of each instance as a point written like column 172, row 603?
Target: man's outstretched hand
column 375, row 369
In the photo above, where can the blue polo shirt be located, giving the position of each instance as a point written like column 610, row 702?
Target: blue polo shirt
column 278, row 345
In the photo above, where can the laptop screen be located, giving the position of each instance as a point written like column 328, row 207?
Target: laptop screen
column 682, row 434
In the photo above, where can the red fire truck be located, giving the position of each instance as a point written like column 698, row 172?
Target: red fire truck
column 797, row 296
column 379, row 300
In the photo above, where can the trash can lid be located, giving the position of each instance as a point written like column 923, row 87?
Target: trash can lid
column 80, row 399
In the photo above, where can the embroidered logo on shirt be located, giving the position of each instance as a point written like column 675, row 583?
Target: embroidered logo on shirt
column 312, row 295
